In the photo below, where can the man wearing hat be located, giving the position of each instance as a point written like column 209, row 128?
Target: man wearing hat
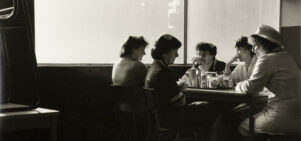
column 277, row 71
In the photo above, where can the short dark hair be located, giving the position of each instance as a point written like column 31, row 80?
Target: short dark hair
column 267, row 45
column 165, row 44
column 243, row 43
column 203, row 46
column 133, row 42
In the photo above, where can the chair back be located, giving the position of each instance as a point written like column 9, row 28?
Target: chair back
column 152, row 102
column 129, row 99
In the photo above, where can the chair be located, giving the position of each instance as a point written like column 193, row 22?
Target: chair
column 130, row 102
column 163, row 133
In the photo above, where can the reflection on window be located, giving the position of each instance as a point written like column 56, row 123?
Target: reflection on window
column 77, row 31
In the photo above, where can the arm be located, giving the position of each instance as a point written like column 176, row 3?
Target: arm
column 169, row 88
column 228, row 64
column 258, row 79
column 235, row 74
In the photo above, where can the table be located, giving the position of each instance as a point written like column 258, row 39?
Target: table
column 36, row 118
column 228, row 95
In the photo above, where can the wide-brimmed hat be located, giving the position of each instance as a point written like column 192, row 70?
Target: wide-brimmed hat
column 269, row 33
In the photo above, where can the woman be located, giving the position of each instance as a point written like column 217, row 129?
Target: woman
column 277, row 71
column 129, row 70
column 205, row 59
column 247, row 58
column 172, row 103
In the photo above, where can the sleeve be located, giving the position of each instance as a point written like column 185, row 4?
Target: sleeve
column 167, row 87
column 258, row 79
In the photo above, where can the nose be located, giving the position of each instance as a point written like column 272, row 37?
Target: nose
column 253, row 48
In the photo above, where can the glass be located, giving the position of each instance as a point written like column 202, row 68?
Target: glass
column 193, row 77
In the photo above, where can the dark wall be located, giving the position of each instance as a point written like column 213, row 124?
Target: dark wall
column 81, row 93
column 291, row 42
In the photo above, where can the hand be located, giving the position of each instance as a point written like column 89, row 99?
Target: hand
column 234, row 58
column 184, row 78
column 182, row 84
column 197, row 60
column 204, row 67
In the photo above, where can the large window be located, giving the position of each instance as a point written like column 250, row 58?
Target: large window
column 223, row 22
column 93, row 31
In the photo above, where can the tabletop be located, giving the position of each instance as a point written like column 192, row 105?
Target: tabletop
column 225, row 95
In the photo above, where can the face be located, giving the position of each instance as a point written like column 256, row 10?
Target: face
column 257, row 48
column 242, row 54
column 170, row 57
column 205, row 56
column 138, row 53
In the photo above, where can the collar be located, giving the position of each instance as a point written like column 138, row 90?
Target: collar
column 276, row 50
column 212, row 68
column 162, row 63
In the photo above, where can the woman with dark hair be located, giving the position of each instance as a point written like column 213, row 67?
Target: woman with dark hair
column 205, row 59
column 129, row 70
column 172, row 103
column 247, row 60
column 276, row 70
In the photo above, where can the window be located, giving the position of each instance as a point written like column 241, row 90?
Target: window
column 93, row 31
column 223, row 22
column 78, row 31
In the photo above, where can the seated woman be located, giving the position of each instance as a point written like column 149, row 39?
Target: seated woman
column 277, row 71
column 128, row 70
column 205, row 59
column 172, row 102
column 247, row 58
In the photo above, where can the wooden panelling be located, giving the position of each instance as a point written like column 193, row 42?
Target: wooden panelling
column 81, row 93
column 291, row 42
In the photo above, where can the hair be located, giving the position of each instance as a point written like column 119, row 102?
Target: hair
column 131, row 43
column 267, row 45
column 244, row 44
column 165, row 44
column 203, row 46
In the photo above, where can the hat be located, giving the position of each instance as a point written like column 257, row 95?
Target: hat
column 269, row 33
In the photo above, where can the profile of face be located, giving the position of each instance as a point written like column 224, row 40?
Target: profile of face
column 257, row 48
column 243, row 54
column 138, row 53
column 170, row 57
column 204, row 57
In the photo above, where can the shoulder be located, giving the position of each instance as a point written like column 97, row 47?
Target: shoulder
column 155, row 67
column 118, row 62
column 221, row 63
column 273, row 57
column 140, row 65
